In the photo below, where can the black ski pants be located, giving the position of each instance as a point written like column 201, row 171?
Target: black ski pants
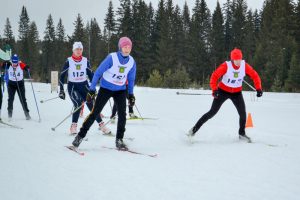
column 237, row 100
column 103, row 96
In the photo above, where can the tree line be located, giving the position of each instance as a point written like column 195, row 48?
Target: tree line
column 173, row 46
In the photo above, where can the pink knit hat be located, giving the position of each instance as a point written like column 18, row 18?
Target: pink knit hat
column 124, row 41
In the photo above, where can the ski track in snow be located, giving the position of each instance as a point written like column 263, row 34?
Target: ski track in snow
column 35, row 164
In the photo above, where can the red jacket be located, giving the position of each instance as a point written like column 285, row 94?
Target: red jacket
column 222, row 69
column 22, row 65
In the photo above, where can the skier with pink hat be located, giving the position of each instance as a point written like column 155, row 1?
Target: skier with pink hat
column 113, row 72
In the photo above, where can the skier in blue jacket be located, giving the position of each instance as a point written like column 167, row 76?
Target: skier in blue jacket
column 113, row 72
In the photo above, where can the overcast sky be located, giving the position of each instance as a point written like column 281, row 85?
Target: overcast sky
column 39, row 10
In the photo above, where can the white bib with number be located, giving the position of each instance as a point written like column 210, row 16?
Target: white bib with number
column 77, row 70
column 234, row 78
column 15, row 73
column 117, row 74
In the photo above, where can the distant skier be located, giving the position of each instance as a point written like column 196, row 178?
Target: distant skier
column 130, row 108
column 78, row 68
column 113, row 72
column 15, row 83
column 230, row 87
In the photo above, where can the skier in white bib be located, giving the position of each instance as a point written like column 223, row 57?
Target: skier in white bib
column 113, row 72
column 230, row 87
column 78, row 68
column 15, row 83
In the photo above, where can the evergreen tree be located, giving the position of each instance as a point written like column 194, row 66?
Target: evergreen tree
column 162, row 34
column 49, row 50
column 61, row 45
column 125, row 19
column 110, row 26
column 238, row 23
column 33, row 58
column 200, row 30
column 250, row 37
column 24, row 23
column 228, row 9
column 293, row 81
column 187, row 42
column 97, row 45
column 141, row 37
column 218, row 37
column 8, row 36
column 79, row 34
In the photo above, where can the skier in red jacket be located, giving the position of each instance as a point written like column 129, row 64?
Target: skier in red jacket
column 230, row 87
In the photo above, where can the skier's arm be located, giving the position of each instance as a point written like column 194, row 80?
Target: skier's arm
column 89, row 71
column 216, row 75
column 63, row 75
column 24, row 66
column 105, row 65
column 131, row 79
column 6, row 65
column 254, row 76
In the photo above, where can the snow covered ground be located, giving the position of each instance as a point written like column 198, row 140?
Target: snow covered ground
column 34, row 165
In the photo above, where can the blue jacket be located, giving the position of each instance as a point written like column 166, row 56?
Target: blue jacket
column 105, row 65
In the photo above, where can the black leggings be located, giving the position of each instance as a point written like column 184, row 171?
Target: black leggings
column 78, row 93
column 12, row 88
column 114, row 110
column 238, row 101
column 102, row 98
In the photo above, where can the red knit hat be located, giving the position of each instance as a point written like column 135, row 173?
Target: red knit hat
column 236, row 54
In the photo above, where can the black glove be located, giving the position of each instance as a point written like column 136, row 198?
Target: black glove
column 90, row 97
column 62, row 94
column 131, row 100
column 6, row 64
column 259, row 93
column 216, row 94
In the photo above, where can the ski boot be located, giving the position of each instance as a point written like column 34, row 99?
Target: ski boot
column 113, row 119
column 77, row 141
column 133, row 116
column 10, row 114
column 104, row 129
column 244, row 137
column 191, row 133
column 73, row 129
column 27, row 116
column 120, row 145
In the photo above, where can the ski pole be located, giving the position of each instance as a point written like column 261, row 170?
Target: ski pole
column 34, row 96
column 184, row 93
column 78, row 108
column 138, row 111
column 250, row 85
column 44, row 101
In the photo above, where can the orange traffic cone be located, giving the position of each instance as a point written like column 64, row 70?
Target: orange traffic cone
column 249, row 122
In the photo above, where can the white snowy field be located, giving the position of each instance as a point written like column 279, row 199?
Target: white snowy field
column 34, row 165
